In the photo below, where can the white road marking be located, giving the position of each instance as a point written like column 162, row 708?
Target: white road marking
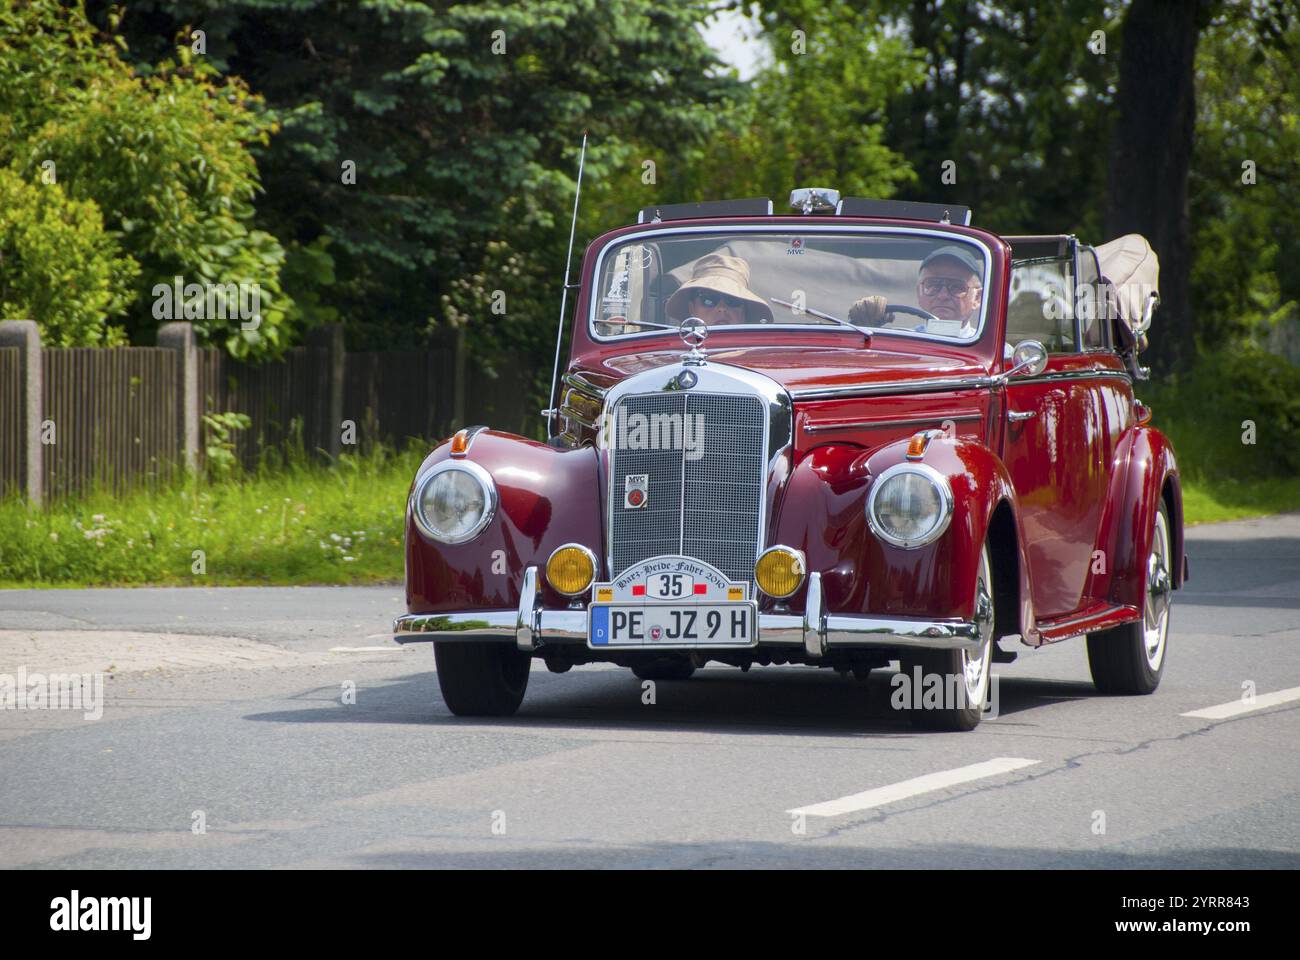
column 911, row 788
column 393, row 649
column 1262, row 701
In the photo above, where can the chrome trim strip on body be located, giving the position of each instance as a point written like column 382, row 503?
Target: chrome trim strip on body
column 894, row 387
column 897, row 387
column 1062, row 375
column 778, row 229
column 818, row 632
column 817, row 426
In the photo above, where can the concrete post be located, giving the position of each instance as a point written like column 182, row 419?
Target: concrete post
column 26, row 336
column 180, row 337
column 330, row 338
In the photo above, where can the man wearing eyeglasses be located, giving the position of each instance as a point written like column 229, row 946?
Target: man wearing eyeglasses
column 948, row 286
column 718, row 293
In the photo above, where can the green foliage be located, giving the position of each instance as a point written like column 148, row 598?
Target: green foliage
column 1209, row 413
column 58, row 266
column 456, row 142
column 164, row 157
column 1246, row 275
column 1012, row 95
column 219, row 442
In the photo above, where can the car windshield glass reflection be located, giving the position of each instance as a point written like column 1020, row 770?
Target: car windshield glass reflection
column 888, row 282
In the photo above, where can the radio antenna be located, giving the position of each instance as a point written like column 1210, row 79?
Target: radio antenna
column 551, row 402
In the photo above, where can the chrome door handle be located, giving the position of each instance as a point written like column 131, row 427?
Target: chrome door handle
column 1015, row 417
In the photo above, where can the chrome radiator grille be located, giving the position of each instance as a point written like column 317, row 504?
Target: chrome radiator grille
column 705, row 502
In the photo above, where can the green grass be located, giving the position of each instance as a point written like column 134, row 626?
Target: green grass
column 1217, row 500
column 299, row 524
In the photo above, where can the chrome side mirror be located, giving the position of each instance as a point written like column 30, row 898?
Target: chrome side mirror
column 1028, row 358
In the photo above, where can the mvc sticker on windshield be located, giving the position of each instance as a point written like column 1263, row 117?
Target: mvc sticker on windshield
column 636, row 491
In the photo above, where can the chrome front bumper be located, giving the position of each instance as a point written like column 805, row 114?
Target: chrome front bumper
column 818, row 632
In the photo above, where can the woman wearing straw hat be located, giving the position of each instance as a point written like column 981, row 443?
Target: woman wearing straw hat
column 718, row 293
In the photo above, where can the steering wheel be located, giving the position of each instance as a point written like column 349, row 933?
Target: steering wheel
column 925, row 315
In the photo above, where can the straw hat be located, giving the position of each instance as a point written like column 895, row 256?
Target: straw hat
column 720, row 273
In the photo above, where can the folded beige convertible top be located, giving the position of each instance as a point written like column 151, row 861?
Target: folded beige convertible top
column 1132, row 266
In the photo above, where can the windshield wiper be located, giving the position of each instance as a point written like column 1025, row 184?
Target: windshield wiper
column 866, row 333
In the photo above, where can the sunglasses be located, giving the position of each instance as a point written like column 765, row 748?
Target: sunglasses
column 711, row 300
column 933, row 286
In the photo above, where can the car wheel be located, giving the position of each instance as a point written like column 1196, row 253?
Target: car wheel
column 665, row 668
column 1130, row 658
column 481, row 679
column 963, row 673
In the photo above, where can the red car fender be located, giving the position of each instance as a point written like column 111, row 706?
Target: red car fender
column 547, row 497
column 1144, row 465
column 823, row 513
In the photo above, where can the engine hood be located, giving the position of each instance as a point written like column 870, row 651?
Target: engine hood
column 800, row 370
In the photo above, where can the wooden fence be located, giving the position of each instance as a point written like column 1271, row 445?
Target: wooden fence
column 109, row 418
column 128, row 417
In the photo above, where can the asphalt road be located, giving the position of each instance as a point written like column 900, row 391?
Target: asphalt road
column 226, row 709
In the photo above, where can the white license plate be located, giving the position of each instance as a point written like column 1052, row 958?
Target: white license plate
column 671, row 625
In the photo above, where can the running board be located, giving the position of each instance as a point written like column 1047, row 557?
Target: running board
column 1100, row 616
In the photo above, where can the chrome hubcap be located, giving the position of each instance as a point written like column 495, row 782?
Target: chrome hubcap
column 1159, row 595
column 975, row 666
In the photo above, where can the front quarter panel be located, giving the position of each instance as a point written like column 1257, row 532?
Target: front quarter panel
column 824, row 514
column 547, row 497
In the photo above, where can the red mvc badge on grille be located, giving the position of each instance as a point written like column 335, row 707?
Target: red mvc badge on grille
column 636, row 491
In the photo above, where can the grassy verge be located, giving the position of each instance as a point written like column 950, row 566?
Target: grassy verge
column 1213, row 501
column 299, row 524
column 1235, row 426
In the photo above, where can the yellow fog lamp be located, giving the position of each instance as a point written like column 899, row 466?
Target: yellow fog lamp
column 571, row 569
column 779, row 571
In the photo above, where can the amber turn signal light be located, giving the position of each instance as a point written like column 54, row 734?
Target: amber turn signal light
column 571, row 569
column 460, row 443
column 779, row 572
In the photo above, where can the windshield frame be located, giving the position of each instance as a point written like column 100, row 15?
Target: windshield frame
column 795, row 229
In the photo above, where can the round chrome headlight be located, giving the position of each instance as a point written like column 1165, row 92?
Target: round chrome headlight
column 910, row 505
column 454, row 501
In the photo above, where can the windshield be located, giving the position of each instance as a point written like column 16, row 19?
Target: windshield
column 910, row 283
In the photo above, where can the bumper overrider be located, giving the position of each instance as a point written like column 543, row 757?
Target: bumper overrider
column 531, row 626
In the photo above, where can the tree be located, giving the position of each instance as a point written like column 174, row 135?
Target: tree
column 1245, row 175
column 1151, row 155
column 59, row 266
column 162, row 157
column 437, row 141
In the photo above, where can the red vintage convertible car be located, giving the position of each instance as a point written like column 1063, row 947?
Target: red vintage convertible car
column 866, row 432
